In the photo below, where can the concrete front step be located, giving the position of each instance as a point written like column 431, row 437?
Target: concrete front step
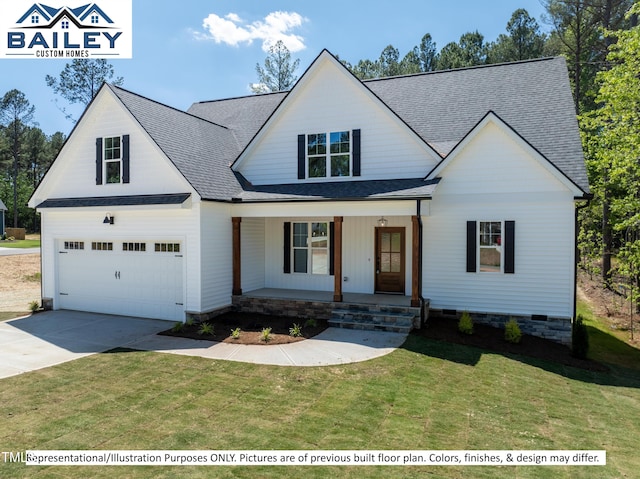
column 400, row 322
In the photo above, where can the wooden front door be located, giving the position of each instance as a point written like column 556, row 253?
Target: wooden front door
column 390, row 260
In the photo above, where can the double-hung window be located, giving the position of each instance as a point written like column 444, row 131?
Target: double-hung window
column 491, row 246
column 113, row 159
column 329, row 154
column 311, row 248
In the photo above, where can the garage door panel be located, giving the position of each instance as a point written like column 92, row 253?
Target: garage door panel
column 134, row 283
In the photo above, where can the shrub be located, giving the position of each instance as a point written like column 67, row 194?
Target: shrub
column 34, row 306
column 295, row 330
column 205, row 328
column 177, row 327
column 465, row 324
column 190, row 321
column 235, row 333
column 512, row 331
column 579, row 339
column 265, row 335
column 310, row 323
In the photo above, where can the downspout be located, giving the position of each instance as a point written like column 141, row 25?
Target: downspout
column 577, row 256
column 419, row 215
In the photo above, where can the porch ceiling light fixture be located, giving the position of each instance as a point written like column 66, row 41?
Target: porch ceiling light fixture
column 382, row 222
column 108, row 219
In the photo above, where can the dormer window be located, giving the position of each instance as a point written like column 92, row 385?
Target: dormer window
column 35, row 19
column 332, row 159
column 94, row 19
column 65, row 24
column 329, row 155
column 112, row 160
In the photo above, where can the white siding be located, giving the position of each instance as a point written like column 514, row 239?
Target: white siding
column 253, row 253
column 217, row 266
column 330, row 100
column 149, row 225
column 358, row 256
column 74, row 172
column 493, row 179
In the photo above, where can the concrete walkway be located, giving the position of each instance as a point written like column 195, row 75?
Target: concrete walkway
column 15, row 251
column 55, row 337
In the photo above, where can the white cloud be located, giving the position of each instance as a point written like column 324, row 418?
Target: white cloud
column 233, row 31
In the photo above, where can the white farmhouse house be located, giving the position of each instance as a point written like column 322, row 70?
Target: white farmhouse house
column 446, row 191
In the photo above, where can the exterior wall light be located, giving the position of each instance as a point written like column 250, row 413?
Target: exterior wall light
column 382, row 222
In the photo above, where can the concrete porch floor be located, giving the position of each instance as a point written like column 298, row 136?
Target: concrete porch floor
column 327, row 296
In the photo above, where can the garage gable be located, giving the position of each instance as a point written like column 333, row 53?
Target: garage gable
column 109, row 154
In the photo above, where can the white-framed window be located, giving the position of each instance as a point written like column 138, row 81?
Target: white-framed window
column 167, row 247
column 329, row 154
column 134, row 246
column 490, row 246
column 310, row 247
column 74, row 245
column 113, row 159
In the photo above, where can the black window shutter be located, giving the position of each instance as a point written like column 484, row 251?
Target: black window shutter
column 301, row 156
column 509, row 246
column 98, row 161
column 356, row 153
column 332, row 230
column 471, row 247
column 287, row 247
column 125, row 158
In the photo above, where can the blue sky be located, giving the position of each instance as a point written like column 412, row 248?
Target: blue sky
column 177, row 60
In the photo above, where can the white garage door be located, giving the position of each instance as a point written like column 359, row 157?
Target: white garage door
column 143, row 279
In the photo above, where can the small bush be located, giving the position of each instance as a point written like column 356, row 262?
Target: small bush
column 310, row 323
column 295, row 330
column 177, row 327
column 205, row 328
column 579, row 339
column 265, row 335
column 34, row 306
column 465, row 324
column 190, row 321
column 512, row 331
column 235, row 333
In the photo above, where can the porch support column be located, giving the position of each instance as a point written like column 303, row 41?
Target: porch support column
column 415, row 261
column 337, row 259
column 237, row 263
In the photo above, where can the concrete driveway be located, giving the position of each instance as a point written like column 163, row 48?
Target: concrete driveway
column 54, row 337
column 15, row 251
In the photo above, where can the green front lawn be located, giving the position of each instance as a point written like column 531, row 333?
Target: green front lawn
column 426, row 395
column 27, row 243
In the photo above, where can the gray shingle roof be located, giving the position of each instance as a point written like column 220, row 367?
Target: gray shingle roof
column 106, row 201
column 533, row 97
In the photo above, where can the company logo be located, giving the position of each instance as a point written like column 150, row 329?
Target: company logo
column 61, row 31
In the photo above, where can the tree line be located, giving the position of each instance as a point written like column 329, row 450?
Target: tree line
column 26, row 152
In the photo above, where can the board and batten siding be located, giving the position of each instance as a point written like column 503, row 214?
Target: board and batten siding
column 332, row 101
column 73, row 174
column 139, row 225
column 358, row 255
column 494, row 179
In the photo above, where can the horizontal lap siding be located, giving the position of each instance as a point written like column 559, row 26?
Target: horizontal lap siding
column 217, row 267
column 174, row 225
column 494, row 180
column 332, row 102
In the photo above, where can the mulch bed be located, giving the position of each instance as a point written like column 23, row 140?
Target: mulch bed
column 487, row 337
column 251, row 326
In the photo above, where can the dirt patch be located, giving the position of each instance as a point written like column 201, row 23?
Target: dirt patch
column 19, row 282
column 487, row 337
column 250, row 326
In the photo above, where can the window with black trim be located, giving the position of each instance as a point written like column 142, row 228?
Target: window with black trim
column 329, row 154
column 113, row 159
column 310, row 247
column 491, row 247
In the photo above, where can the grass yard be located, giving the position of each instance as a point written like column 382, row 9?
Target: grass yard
column 26, row 243
column 426, row 395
